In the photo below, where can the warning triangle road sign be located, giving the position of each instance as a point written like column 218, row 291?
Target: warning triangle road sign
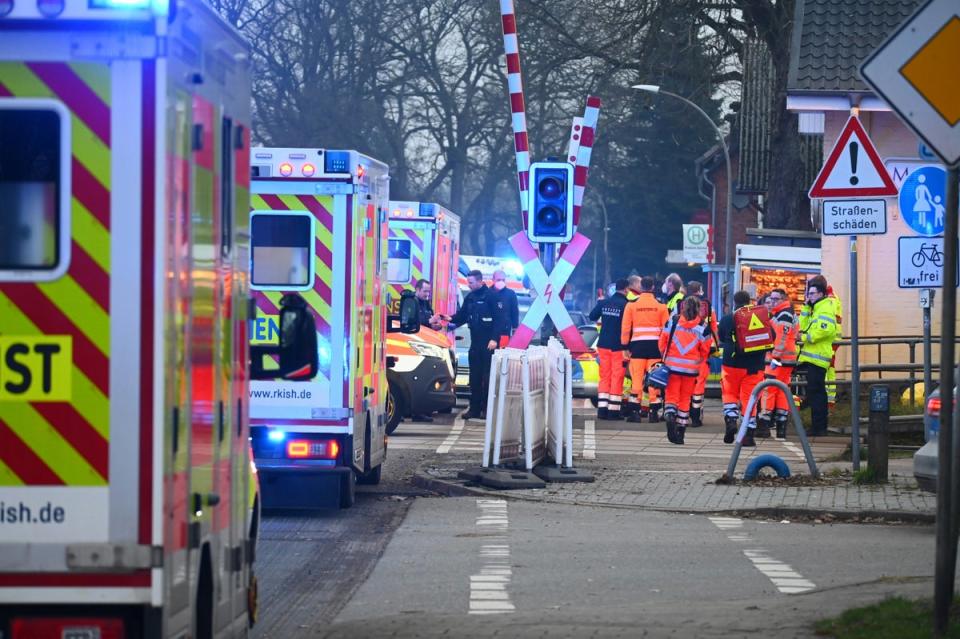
column 755, row 322
column 854, row 168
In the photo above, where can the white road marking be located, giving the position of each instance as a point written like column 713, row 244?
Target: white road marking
column 489, row 590
column 793, row 448
column 452, row 438
column 589, row 439
column 783, row 576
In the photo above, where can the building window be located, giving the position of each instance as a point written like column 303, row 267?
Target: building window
column 34, row 189
column 282, row 252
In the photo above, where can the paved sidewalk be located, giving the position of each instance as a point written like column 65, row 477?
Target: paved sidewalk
column 650, row 473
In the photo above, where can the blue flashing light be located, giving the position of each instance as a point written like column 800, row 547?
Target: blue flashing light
column 324, row 353
column 513, row 267
column 336, row 162
column 121, row 4
column 428, row 210
column 276, row 435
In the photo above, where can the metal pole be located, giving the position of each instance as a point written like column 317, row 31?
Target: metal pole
column 854, row 359
column 946, row 557
column 927, row 347
column 548, row 257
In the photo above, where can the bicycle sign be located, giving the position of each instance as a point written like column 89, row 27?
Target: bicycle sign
column 921, row 262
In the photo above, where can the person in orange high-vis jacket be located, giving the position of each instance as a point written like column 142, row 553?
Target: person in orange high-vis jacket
column 780, row 362
column 686, row 346
column 709, row 320
column 643, row 321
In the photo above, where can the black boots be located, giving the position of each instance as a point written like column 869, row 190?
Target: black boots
column 696, row 417
column 730, row 429
column 781, row 429
column 748, row 441
column 613, row 416
column 763, row 427
column 602, row 412
column 654, row 414
column 671, row 419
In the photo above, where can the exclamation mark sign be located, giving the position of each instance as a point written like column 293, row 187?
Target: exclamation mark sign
column 854, row 148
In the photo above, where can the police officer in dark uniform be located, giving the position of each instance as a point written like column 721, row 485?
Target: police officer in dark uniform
column 481, row 312
column 610, row 387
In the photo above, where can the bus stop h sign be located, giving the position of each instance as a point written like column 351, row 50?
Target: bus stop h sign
column 914, row 71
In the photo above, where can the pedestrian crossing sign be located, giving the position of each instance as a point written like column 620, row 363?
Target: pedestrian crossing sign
column 755, row 322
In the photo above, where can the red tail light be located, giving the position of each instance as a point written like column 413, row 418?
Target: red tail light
column 78, row 628
column 313, row 449
column 933, row 407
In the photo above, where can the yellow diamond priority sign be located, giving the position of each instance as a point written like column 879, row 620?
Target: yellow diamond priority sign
column 915, row 72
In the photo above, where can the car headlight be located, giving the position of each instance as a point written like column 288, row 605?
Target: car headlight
column 428, row 350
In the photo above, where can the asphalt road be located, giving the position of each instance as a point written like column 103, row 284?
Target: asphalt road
column 405, row 563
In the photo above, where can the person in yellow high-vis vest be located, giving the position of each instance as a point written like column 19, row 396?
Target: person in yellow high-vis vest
column 818, row 329
column 832, row 371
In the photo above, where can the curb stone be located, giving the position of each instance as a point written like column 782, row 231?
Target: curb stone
column 456, row 489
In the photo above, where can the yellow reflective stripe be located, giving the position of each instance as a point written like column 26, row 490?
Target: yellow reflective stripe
column 88, row 400
column 258, row 203
column 47, row 444
column 311, row 298
column 8, row 477
column 83, row 312
column 293, row 203
column 91, row 235
column 87, row 147
column 96, row 77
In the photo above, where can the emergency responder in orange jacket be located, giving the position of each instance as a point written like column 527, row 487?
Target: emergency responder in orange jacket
column 686, row 346
column 709, row 321
column 643, row 321
column 610, row 350
column 780, row 362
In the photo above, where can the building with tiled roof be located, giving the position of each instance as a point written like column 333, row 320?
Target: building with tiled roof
column 830, row 40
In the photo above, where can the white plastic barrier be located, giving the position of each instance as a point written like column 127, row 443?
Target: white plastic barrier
column 560, row 404
column 530, row 407
column 516, row 407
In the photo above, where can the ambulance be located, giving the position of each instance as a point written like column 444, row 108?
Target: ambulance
column 128, row 501
column 318, row 227
column 424, row 243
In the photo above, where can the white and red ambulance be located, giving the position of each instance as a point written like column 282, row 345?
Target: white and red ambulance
column 127, row 495
column 318, row 227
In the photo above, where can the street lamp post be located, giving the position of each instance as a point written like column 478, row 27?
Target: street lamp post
column 728, row 276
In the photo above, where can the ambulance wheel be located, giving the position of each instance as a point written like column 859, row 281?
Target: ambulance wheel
column 372, row 478
column 395, row 410
column 348, row 490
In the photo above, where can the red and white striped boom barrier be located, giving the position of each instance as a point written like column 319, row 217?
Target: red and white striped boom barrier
column 511, row 47
column 582, row 165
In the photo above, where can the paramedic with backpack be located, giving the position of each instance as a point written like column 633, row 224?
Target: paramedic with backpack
column 685, row 345
column 818, row 328
column 643, row 321
column 610, row 350
column 780, row 362
column 744, row 337
column 709, row 320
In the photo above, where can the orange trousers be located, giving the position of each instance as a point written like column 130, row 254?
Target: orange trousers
column 639, row 368
column 677, row 396
column 736, row 385
column 610, row 386
column 701, row 385
column 774, row 400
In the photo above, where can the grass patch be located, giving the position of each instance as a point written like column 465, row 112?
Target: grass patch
column 866, row 475
column 895, row 618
